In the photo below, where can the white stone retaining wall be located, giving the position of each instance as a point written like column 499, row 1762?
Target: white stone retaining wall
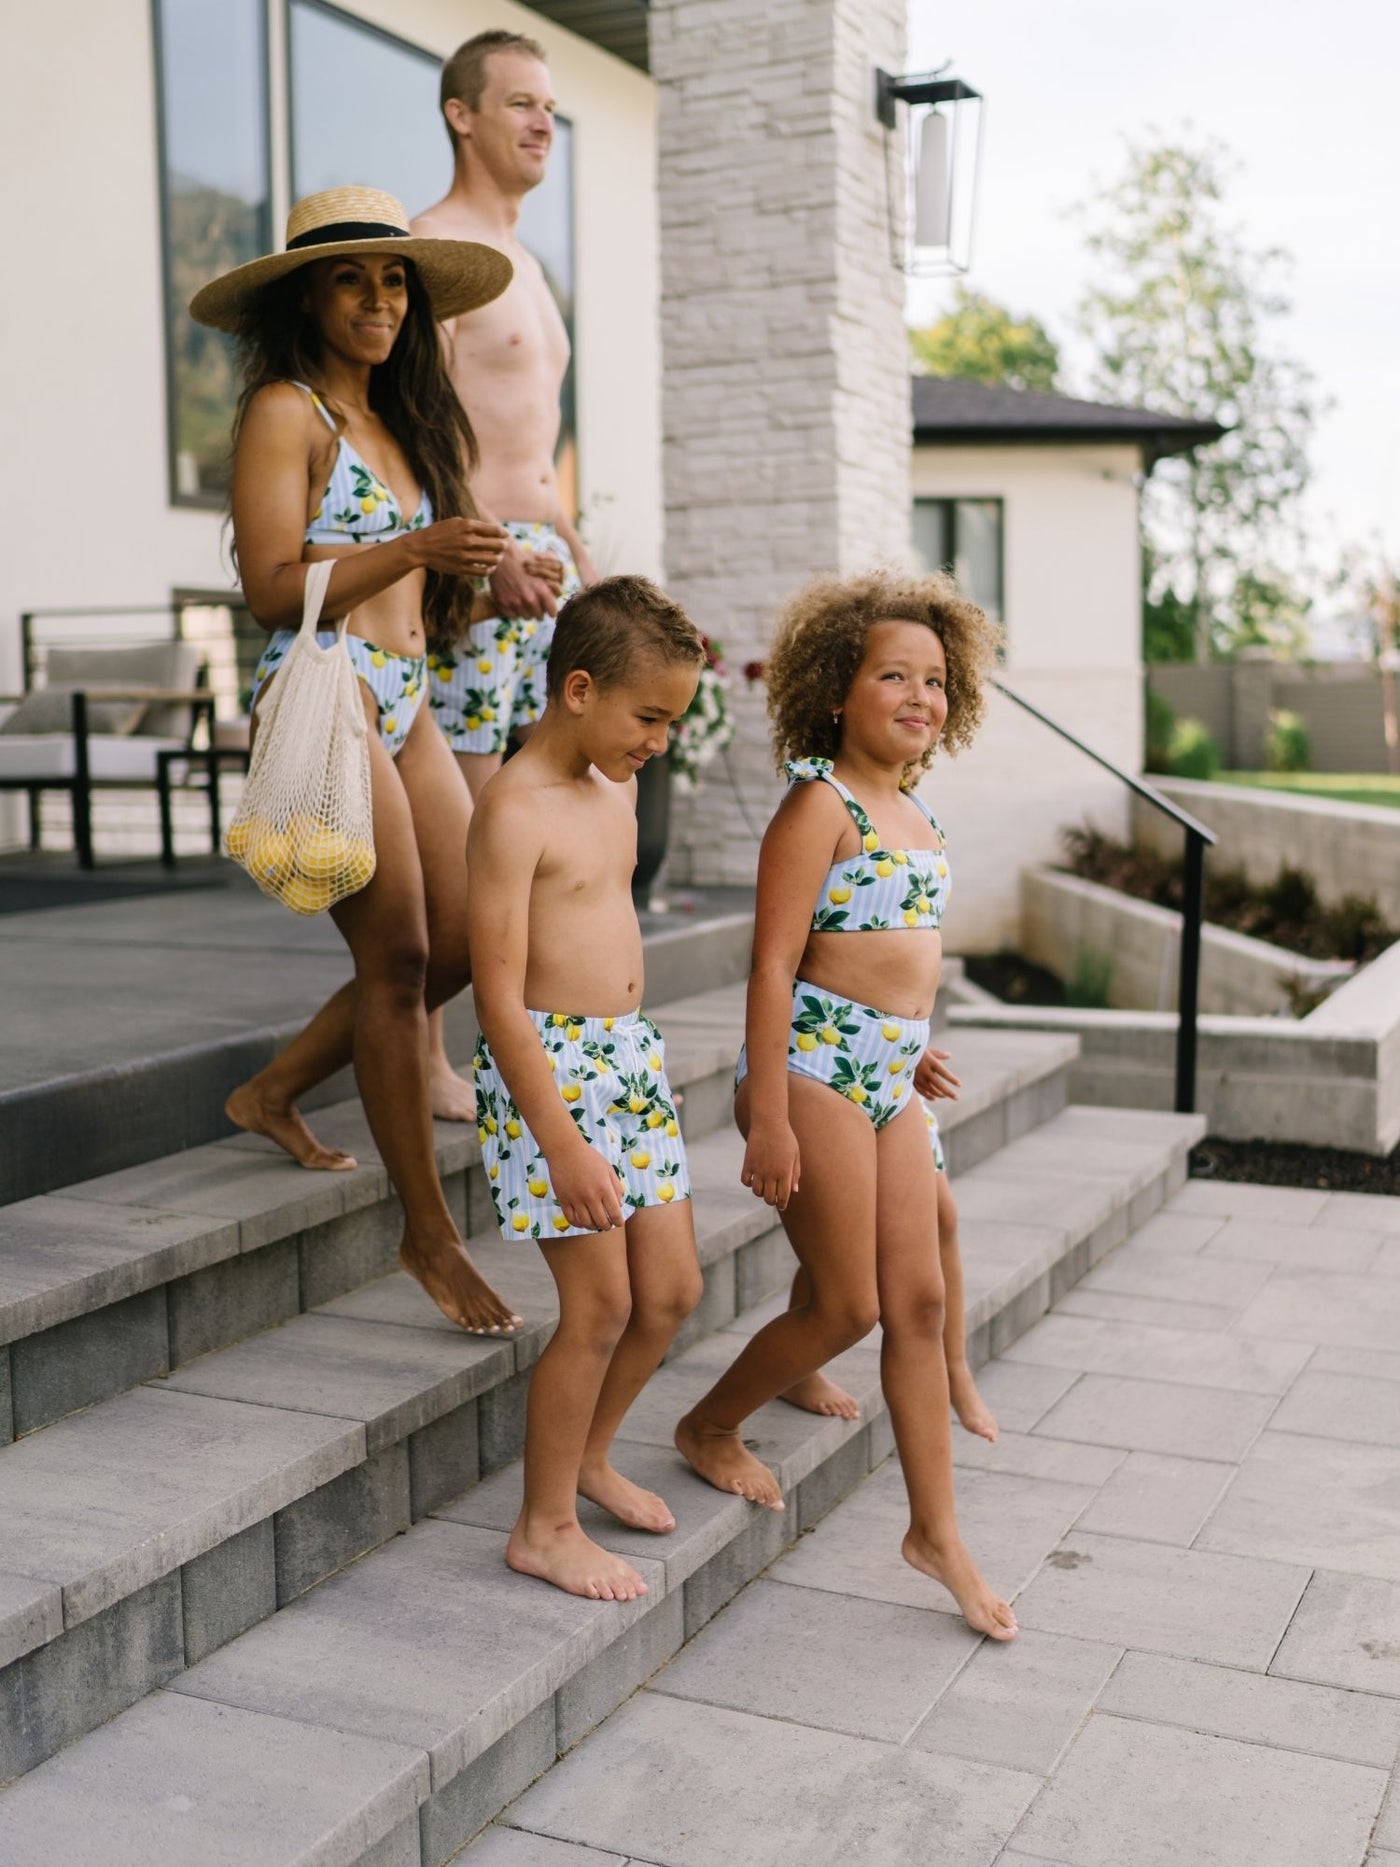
column 1347, row 849
column 1066, row 920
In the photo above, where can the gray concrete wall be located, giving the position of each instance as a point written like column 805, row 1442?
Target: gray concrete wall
column 1347, row 849
column 1338, row 702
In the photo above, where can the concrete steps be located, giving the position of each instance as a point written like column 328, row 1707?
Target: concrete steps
column 423, row 1685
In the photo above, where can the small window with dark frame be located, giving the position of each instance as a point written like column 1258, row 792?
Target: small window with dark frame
column 964, row 538
column 211, row 78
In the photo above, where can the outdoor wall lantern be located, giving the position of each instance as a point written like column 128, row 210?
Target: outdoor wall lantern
column 940, row 159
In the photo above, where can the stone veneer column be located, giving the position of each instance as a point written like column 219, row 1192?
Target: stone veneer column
column 785, row 363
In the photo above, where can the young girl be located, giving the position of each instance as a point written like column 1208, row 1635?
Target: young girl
column 867, row 676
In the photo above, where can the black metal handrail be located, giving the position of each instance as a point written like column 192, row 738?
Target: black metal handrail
column 1198, row 837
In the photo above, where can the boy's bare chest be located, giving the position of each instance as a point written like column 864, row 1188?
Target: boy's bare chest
column 590, row 855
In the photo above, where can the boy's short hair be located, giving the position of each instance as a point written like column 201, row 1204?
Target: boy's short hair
column 464, row 74
column 605, row 628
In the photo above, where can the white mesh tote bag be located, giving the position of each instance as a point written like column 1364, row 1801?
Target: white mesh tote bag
column 304, row 830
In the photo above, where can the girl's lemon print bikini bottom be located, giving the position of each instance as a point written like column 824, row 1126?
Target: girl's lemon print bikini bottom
column 868, row 1056
column 611, row 1075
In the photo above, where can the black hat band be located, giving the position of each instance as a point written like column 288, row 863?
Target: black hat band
column 340, row 230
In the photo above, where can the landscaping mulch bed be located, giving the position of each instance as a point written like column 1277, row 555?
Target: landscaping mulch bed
column 1284, row 1163
column 1015, row 981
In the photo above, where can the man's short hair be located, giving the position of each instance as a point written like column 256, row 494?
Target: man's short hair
column 464, row 74
column 608, row 628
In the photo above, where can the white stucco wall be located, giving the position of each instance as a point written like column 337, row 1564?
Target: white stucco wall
column 82, row 405
column 1073, row 648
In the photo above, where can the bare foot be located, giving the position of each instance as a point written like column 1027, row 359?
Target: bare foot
column 573, row 1562
column 976, row 1416
column 982, row 1608
column 819, row 1395
column 458, row 1287
column 638, row 1509
column 723, row 1460
column 252, row 1112
column 450, row 1096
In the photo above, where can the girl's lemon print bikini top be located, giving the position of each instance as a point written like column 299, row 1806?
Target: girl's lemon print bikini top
column 357, row 507
column 879, row 888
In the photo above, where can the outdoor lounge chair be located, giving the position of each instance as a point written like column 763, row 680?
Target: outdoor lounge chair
column 119, row 718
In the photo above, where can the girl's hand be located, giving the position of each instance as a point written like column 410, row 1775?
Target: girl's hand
column 771, row 1167
column 588, row 1188
column 933, row 1079
column 459, row 547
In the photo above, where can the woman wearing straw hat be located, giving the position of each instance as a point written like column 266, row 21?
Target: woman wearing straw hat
column 349, row 434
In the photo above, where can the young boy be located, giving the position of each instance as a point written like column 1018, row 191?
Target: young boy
column 581, row 1145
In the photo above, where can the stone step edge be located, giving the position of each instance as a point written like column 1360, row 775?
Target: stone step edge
column 832, row 1457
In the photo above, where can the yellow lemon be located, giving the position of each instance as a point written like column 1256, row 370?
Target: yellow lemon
column 531, row 628
column 870, row 840
column 305, row 896
column 640, row 1159
column 559, row 1222
column 490, row 1124
column 924, row 905
column 359, row 865
column 666, row 1192
column 885, row 867
column 897, row 1066
column 488, row 713
column 655, row 1119
column 553, row 1062
column 942, row 868
column 898, row 1090
column 839, row 895
column 481, row 1136
column 558, row 1020
column 856, row 1093
column 324, row 853
column 653, row 1061
column 432, row 664
column 537, row 1188
column 514, row 1130
column 473, row 721
column 829, row 1034
column 379, row 658
column 272, row 854
column 911, row 919
column 391, row 724
column 484, row 664
column 444, row 675
column 901, row 856
column 504, row 644
column 238, row 837
column 889, row 1032
column 368, row 504
column 571, row 1092
column 573, row 1032
column 806, row 1041
column 636, row 1104
column 520, row 1223
column 495, row 1171
column 672, row 1129
column 608, row 1023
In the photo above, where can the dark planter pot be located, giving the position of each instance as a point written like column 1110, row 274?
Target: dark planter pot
column 653, row 825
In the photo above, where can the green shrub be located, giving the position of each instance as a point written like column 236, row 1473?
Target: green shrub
column 1088, row 986
column 1159, row 724
column 1286, row 743
column 1191, row 752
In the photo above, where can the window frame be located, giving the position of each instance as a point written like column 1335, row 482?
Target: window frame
column 951, row 501
column 197, row 502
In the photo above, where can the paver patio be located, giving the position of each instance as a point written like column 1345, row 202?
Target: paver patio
column 1197, row 1507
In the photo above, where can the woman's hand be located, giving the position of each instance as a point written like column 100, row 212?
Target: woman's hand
column 587, row 1188
column 548, row 568
column 772, row 1168
column 933, row 1079
column 459, row 547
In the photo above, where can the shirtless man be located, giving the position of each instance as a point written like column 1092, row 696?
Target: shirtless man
column 508, row 364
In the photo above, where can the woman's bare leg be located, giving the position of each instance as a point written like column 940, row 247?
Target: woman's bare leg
column 828, row 1224
column 914, row 1373
column 972, row 1411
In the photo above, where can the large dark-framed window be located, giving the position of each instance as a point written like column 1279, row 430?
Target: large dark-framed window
column 215, row 166
column 966, row 538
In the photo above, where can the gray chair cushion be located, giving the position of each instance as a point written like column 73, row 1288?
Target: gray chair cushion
column 148, row 664
column 50, row 710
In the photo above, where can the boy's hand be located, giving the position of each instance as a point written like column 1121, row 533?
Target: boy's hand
column 772, row 1168
column 588, row 1188
column 933, row 1079
column 519, row 588
column 548, row 568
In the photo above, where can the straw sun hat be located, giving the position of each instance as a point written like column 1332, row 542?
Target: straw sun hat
column 459, row 274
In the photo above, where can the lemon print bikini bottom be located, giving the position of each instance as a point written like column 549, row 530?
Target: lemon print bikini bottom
column 398, row 682
column 611, row 1076
column 868, row 1056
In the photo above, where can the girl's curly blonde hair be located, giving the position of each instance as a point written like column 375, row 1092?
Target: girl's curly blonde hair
column 820, row 643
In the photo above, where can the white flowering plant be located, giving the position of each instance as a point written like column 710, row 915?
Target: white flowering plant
column 706, row 727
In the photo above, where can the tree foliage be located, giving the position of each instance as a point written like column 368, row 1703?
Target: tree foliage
column 1182, row 317
column 980, row 339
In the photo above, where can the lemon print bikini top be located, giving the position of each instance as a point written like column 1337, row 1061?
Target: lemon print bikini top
column 357, row 507
column 879, row 888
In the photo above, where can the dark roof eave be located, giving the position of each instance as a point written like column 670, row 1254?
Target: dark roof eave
column 1156, row 443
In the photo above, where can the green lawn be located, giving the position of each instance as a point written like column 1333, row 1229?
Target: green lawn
column 1343, row 787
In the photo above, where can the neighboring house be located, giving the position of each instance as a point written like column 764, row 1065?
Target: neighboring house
column 220, row 115
column 1032, row 500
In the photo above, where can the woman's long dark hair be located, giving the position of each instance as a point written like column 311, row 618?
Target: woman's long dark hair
column 412, row 394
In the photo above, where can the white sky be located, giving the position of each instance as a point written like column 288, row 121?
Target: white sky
column 1303, row 95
